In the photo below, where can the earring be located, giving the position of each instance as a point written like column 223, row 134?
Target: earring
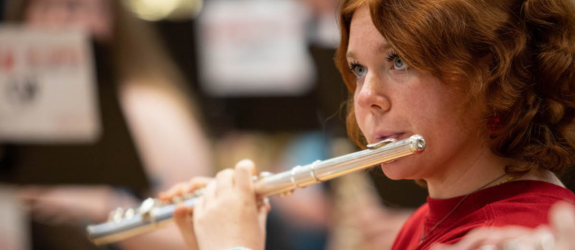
column 493, row 125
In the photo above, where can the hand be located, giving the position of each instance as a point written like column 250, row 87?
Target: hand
column 226, row 215
column 558, row 237
column 68, row 204
column 183, row 215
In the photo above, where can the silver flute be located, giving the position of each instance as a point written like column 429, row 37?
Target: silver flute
column 153, row 214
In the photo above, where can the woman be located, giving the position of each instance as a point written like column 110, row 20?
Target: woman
column 489, row 84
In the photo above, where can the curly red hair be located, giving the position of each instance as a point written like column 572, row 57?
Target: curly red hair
column 527, row 81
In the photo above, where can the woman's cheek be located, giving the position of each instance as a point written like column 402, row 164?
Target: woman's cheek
column 360, row 117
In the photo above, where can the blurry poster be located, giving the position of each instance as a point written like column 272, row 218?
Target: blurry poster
column 254, row 48
column 47, row 90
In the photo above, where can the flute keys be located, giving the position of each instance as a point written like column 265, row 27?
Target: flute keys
column 189, row 196
column 265, row 174
column 286, row 193
column 177, row 199
column 146, row 206
column 116, row 215
column 129, row 213
column 198, row 193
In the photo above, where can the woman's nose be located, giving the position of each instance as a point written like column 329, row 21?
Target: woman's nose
column 371, row 95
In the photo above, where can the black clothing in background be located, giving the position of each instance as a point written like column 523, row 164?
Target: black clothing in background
column 112, row 159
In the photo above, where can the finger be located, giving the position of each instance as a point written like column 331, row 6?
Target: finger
column 476, row 238
column 183, row 217
column 523, row 243
column 224, row 181
column 264, row 202
column 197, row 183
column 495, row 238
column 176, row 190
column 263, row 214
column 542, row 238
column 245, row 169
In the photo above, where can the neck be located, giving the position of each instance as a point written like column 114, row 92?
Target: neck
column 467, row 173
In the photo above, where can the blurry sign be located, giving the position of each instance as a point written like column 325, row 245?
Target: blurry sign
column 254, row 47
column 47, row 91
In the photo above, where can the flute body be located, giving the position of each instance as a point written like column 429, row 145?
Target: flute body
column 153, row 214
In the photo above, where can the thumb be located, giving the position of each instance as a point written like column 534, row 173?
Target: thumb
column 183, row 216
column 263, row 211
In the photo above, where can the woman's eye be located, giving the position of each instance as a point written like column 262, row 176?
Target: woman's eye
column 398, row 63
column 358, row 70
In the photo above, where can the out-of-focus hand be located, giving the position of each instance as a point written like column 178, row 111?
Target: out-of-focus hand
column 559, row 236
column 68, row 204
column 226, row 215
column 562, row 218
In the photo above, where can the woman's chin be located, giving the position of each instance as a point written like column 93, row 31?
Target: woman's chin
column 397, row 170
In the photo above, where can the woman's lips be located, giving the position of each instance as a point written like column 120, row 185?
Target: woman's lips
column 388, row 135
column 384, row 136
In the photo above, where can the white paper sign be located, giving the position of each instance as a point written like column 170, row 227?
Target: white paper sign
column 47, row 90
column 254, row 48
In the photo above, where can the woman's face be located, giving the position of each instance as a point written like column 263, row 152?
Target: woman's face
column 393, row 100
column 95, row 16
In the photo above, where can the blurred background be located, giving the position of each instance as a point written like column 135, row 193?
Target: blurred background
column 106, row 102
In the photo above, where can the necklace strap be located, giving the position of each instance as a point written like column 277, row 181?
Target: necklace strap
column 423, row 235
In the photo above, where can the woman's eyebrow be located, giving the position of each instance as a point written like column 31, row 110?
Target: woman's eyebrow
column 384, row 48
column 381, row 49
column 350, row 54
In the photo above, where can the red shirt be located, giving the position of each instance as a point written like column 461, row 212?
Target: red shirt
column 523, row 203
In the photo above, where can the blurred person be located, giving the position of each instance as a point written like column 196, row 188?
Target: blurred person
column 148, row 121
column 487, row 84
